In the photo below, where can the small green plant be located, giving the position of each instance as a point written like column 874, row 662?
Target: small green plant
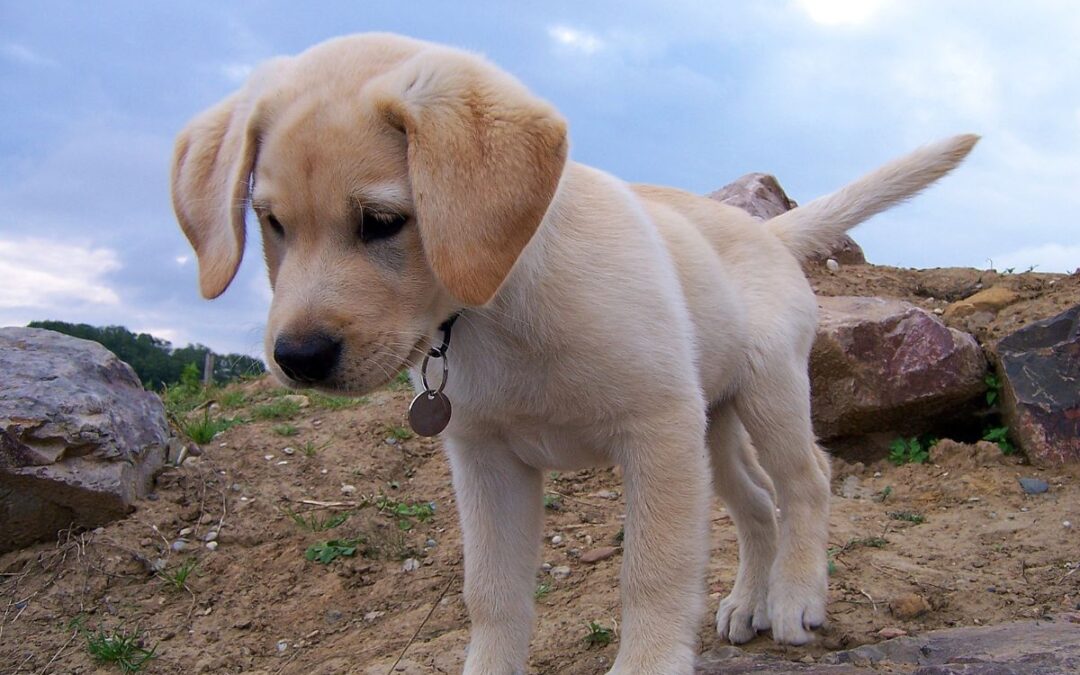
column 310, row 449
column 542, row 589
column 1000, row 435
column 314, row 522
column 883, row 494
column 552, row 502
column 232, row 399
column 620, row 535
column 399, row 433
column 328, row 402
column 405, row 512
column 401, row 381
column 914, row 450
column 285, row 430
column 279, row 409
column 598, row 636
column 326, row 552
column 177, row 578
column 908, row 516
column 835, row 552
column 993, row 388
column 119, row 647
column 203, row 429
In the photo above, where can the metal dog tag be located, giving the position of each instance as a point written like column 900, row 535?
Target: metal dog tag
column 429, row 413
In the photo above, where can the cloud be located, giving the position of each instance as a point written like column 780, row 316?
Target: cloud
column 841, row 12
column 236, row 72
column 1043, row 257
column 26, row 56
column 575, row 39
column 44, row 274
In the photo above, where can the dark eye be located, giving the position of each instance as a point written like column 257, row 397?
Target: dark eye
column 275, row 225
column 375, row 225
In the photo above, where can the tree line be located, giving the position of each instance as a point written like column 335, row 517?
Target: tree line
column 155, row 361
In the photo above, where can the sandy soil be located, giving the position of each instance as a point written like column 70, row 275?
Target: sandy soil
column 984, row 553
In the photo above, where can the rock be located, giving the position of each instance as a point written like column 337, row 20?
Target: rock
column 556, row 540
column 761, row 196
column 832, row 265
column 1039, row 367
column 211, row 545
column 598, row 554
column 992, row 300
column 908, row 606
column 212, row 535
column 411, row 564
column 371, row 617
column 348, row 489
column 890, row 632
column 885, row 365
column 179, row 545
column 300, row 400
column 80, row 439
column 1034, row 486
column 560, row 572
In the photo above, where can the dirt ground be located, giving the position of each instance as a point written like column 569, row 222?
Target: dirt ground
column 984, row 553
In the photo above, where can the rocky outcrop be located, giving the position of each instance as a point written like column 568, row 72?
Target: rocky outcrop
column 886, row 365
column 1021, row 647
column 990, row 300
column 80, row 439
column 1039, row 367
column 760, row 195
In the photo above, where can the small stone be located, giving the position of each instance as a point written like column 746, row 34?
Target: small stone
column 282, row 645
column 185, row 532
column 268, row 457
column 324, row 471
column 179, row 545
column 289, row 451
column 283, row 462
column 606, row 494
column 809, row 657
column 371, row 617
column 300, row 400
column 348, row 489
column 560, row 572
column 832, row 265
column 242, row 624
column 210, row 536
column 890, row 632
column 1034, row 486
column 909, row 606
column 153, row 496
column 236, row 487
column 411, row 564
column 212, row 545
column 332, row 616
column 390, row 440
column 546, row 567
column 556, row 540
column 430, row 543
column 598, row 554
column 1066, row 524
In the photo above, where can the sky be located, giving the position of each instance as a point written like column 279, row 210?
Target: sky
column 686, row 93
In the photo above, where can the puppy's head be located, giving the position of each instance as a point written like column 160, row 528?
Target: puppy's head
column 395, row 182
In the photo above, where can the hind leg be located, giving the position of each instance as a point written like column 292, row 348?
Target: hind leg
column 746, row 491
column 775, row 408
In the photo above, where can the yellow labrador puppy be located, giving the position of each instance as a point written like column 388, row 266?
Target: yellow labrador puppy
column 399, row 184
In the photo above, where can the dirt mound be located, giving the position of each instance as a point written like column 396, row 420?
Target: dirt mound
column 324, row 539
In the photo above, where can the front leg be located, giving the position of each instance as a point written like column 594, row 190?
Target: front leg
column 666, row 473
column 499, row 501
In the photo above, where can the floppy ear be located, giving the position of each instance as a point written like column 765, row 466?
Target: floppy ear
column 211, row 183
column 485, row 157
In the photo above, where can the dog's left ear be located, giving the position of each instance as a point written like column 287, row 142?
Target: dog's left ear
column 485, row 157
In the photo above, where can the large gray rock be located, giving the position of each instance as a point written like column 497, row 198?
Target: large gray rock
column 1040, row 395
column 80, row 439
column 760, row 195
column 885, row 365
column 1028, row 647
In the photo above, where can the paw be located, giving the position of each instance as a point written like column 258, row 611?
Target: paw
column 740, row 617
column 795, row 610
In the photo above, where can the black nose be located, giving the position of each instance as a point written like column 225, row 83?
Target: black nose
column 309, row 359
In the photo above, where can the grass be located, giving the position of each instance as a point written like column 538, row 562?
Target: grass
column 310, row 449
column 405, row 512
column 400, row 433
column 286, row 430
column 1000, row 435
column 908, row 516
column 177, row 578
column 314, row 522
column 551, row 502
column 278, row 409
column 993, row 388
column 120, row 648
column 598, row 635
column 401, row 381
column 914, row 450
column 203, row 429
column 328, row 402
column 836, row 551
column 232, row 399
column 542, row 589
column 326, row 552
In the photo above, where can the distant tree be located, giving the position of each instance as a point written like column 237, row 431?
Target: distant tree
column 155, row 360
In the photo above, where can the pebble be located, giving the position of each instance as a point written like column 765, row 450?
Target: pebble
column 832, row 265
column 939, row 311
column 300, row 400
column 909, row 606
column 546, row 567
column 210, row 536
column 598, row 554
column 1066, row 524
column 283, row 462
column 185, row 532
column 348, row 489
column 332, row 616
column 430, row 543
column 890, row 632
column 560, row 572
column 179, row 545
column 268, row 457
column 236, row 487
column 212, row 545
column 606, row 494
column 809, row 657
column 390, row 440
column 411, row 564
column 1034, row 486
column 556, row 540
column 289, row 451
column 372, row 616
column 282, row 645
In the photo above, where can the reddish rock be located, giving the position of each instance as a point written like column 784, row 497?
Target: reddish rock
column 886, row 365
column 908, row 606
column 1039, row 366
column 760, row 195
column 598, row 554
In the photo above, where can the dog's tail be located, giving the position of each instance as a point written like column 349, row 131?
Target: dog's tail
column 817, row 226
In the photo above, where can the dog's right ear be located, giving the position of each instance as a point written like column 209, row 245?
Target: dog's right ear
column 211, row 183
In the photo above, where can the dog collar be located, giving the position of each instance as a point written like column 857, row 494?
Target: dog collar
column 430, row 411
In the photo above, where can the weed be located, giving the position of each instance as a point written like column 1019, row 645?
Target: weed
column 620, row 535
column 328, row 402
column 232, row 399
column 177, row 578
column 313, row 522
column 405, row 512
column 399, row 433
column 598, row 635
column 203, row 429
column 908, row 516
column 286, row 430
column 386, row 543
column 552, row 502
column 119, row 647
column 309, row 448
column 1000, row 435
column 401, row 381
column 280, row 409
column 542, row 589
column 326, row 552
column 835, row 552
column 884, row 494
column 993, row 388
column 914, row 450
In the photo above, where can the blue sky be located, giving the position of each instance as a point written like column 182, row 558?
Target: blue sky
column 690, row 94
